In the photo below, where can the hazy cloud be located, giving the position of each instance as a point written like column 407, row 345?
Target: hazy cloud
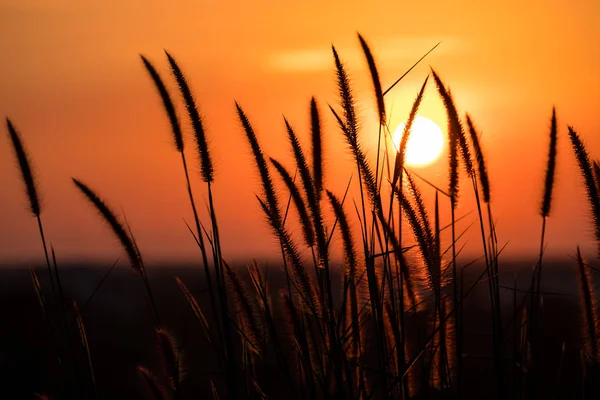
column 386, row 51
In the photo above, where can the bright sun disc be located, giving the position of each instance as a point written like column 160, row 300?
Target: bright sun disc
column 425, row 142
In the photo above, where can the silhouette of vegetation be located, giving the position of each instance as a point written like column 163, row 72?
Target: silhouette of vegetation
column 389, row 324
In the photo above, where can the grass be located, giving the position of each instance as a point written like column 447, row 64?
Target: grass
column 396, row 326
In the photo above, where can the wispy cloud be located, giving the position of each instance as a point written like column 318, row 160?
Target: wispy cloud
column 387, row 52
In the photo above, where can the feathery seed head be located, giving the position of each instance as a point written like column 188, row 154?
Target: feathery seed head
column 455, row 133
column 170, row 355
column 317, row 147
column 167, row 103
column 401, row 153
column 25, row 167
column 261, row 164
column 483, row 176
column 126, row 241
column 206, row 165
column 550, row 168
column 589, row 310
column 375, row 79
column 306, row 224
column 585, row 167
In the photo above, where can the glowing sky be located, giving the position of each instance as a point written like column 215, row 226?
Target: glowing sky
column 72, row 82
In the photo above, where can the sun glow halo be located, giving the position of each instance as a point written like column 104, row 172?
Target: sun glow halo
column 425, row 143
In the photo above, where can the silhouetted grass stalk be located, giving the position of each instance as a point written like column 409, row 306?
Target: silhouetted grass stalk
column 32, row 194
column 349, row 127
column 128, row 244
column 493, row 285
column 207, row 173
column 587, row 174
column 454, row 133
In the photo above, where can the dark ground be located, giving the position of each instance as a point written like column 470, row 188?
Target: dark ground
column 120, row 329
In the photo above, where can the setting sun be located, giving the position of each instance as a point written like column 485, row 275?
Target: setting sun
column 425, row 143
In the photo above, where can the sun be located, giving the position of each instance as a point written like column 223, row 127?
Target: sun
column 425, row 143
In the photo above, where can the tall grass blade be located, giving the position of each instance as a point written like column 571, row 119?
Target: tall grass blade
column 410, row 69
column 41, row 299
column 155, row 388
column 195, row 308
column 98, row 286
column 86, row 346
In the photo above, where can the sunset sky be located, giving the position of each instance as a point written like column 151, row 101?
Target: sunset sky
column 72, row 82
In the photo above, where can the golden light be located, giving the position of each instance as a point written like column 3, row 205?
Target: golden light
column 425, row 142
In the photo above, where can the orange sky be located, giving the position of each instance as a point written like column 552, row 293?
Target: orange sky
column 72, row 82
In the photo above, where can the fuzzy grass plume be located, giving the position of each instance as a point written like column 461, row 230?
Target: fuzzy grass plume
column 374, row 78
column 423, row 216
column 426, row 246
column 25, row 167
column 480, row 159
column 311, row 195
column 305, row 222
column 250, row 327
column 585, row 167
column 167, row 103
column 550, row 168
column 589, row 310
column 317, row 146
column 170, row 358
column 110, row 218
column 306, row 288
column 401, row 153
column 349, row 126
column 206, row 165
column 457, row 138
column 32, row 195
column 261, row 164
column 596, row 167
column 351, row 272
column 349, row 250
